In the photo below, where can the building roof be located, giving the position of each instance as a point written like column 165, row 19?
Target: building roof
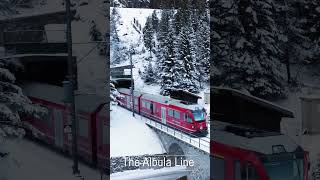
column 260, row 102
column 261, row 143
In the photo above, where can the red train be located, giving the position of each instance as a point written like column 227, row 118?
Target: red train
column 244, row 153
column 190, row 118
column 92, row 116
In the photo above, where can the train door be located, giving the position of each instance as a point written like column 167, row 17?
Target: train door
column 128, row 102
column 58, row 127
column 163, row 115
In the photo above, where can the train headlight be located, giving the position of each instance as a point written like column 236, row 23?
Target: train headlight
column 192, row 127
column 201, row 127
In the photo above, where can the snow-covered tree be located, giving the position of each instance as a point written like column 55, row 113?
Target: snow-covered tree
column 116, row 48
column 148, row 34
column 166, row 54
column 155, row 21
column 247, row 50
column 202, row 58
column 185, row 72
column 6, row 7
column 149, row 75
column 14, row 105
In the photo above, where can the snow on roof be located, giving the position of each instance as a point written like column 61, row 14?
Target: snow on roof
column 184, row 91
column 262, row 144
column 161, row 99
column 257, row 100
column 128, row 91
column 170, row 101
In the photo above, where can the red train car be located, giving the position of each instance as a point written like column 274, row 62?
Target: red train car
column 243, row 153
column 190, row 118
column 92, row 118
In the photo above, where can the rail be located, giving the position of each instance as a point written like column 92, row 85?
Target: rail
column 202, row 143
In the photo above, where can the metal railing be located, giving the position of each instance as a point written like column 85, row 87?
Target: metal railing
column 202, row 143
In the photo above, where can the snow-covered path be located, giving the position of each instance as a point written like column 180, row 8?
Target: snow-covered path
column 29, row 160
column 130, row 136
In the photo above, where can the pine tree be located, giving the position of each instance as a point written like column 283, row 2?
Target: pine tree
column 6, row 7
column 148, row 34
column 149, row 76
column 202, row 59
column 155, row 21
column 166, row 54
column 252, row 48
column 185, row 73
column 116, row 50
column 14, row 105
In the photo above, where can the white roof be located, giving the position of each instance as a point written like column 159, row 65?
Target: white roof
column 262, row 144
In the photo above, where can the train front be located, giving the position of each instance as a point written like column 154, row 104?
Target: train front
column 284, row 165
column 199, row 117
column 256, row 155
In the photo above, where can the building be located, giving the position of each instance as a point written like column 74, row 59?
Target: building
column 235, row 107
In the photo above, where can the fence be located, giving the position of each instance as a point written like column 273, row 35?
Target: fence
column 202, row 143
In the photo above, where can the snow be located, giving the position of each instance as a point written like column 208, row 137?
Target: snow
column 130, row 136
column 154, row 174
column 29, row 160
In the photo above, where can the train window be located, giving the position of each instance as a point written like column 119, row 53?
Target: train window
column 170, row 112
column 47, row 118
column 143, row 104
column 83, row 127
column 105, row 134
column 248, row 172
column 136, row 101
column 154, row 108
column 218, row 168
column 177, row 114
column 151, row 107
column 187, row 118
column 237, row 170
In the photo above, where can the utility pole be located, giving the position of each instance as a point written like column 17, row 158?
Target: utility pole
column 132, row 85
column 71, row 77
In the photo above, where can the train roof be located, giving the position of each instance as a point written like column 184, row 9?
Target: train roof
column 162, row 99
column 169, row 101
column 259, row 141
column 128, row 91
column 55, row 94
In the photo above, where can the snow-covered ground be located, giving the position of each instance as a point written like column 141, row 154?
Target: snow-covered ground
column 130, row 136
column 29, row 160
column 159, row 174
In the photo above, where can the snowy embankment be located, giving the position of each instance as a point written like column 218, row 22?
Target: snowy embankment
column 130, row 136
column 28, row 160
